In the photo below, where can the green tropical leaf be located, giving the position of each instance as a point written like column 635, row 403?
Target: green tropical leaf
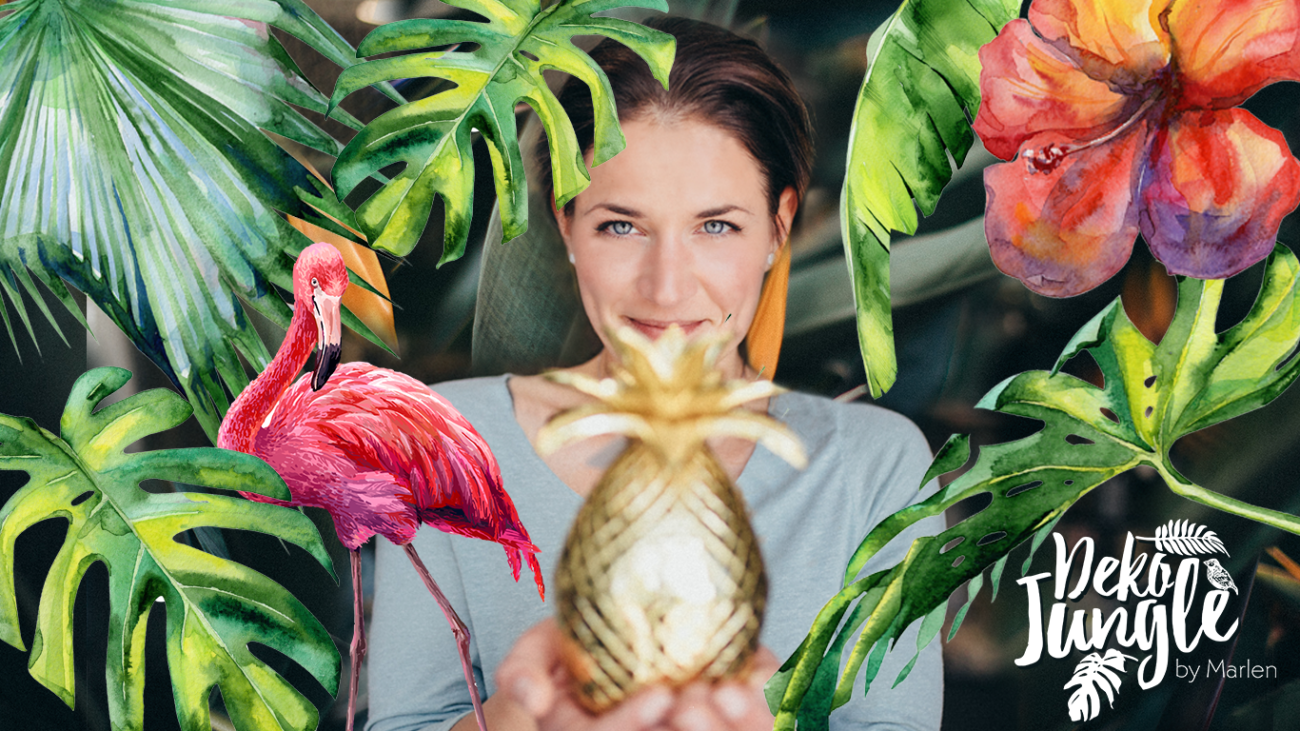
column 132, row 167
column 215, row 607
column 914, row 110
column 1152, row 396
column 432, row 137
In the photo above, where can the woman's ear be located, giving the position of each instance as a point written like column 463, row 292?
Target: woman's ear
column 562, row 221
column 785, row 210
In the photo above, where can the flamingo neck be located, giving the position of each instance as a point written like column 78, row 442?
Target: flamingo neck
column 256, row 401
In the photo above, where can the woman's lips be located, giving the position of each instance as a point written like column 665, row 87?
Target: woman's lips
column 654, row 328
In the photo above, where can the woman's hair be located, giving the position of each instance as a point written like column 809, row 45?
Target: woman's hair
column 717, row 77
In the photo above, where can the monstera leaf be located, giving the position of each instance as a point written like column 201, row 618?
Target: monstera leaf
column 1095, row 672
column 914, row 110
column 215, row 607
column 132, row 166
column 1153, row 395
column 431, row 137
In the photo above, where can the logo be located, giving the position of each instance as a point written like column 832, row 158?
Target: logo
column 1155, row 612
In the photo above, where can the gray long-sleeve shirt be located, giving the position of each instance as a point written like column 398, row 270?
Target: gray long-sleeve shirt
column 864, row 464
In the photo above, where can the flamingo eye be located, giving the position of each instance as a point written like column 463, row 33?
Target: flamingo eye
column 314, row 283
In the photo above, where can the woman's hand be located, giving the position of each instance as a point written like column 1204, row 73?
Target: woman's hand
column 535, row 677
column 729, row 705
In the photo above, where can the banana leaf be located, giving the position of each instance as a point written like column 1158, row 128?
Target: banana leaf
column 917, row 101
column 215, row 607
column 1153, row 395
column 133, row 168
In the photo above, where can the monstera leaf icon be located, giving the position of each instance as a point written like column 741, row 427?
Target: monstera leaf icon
column 1092, row 673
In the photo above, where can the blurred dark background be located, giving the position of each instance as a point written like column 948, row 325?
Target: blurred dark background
column 954, row 344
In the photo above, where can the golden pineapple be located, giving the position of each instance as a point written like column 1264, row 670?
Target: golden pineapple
column 661, row 580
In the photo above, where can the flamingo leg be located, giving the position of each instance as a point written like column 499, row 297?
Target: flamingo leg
column 358, row 635
column 458, row 629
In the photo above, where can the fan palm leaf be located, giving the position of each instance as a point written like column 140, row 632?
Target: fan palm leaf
column 133, row 168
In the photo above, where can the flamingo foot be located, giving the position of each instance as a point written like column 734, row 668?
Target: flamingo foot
column 458, row 629
column 358, row 637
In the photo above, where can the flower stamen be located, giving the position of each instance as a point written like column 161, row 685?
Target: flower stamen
column 1046, row 158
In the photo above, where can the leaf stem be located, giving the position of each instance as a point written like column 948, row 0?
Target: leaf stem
column 1181, row 486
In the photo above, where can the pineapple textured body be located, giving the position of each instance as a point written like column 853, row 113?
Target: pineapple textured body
column 661, row 579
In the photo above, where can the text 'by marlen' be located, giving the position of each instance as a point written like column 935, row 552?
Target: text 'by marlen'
column 1222, row 669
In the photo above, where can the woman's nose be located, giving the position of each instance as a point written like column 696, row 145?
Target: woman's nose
column 667, row 275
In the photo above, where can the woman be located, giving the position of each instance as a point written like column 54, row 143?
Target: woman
column 679, row 228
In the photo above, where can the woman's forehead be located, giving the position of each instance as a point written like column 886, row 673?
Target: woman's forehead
column 682, row 164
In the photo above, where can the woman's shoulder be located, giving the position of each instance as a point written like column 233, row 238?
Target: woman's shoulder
column 470, row 386
column 866, row 450
column 835, row 423
column 478, row 399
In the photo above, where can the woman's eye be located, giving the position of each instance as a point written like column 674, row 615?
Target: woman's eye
column 618, row 228
column 717, row 227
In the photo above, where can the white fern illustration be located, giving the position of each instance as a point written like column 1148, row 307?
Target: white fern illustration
column 1093, row 672
column 1185, row 538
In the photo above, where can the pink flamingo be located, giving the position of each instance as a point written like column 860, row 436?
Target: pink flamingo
column 376, row 448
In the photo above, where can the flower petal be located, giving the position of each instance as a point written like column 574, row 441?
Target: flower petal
column 1217, row 187
column 1029, row 87
column 1226, row 50
column 1121, row 41
column 1066, row 231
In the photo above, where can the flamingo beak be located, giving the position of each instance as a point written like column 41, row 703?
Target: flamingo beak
column 328, row 337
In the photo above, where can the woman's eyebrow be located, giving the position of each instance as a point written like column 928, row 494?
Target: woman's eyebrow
column 617, row 209
column 720, row 211
column 633, row 213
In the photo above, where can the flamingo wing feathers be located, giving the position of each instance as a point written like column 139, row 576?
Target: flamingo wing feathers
column 372, row 425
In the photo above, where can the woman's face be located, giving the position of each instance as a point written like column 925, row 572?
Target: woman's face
column 675, row 229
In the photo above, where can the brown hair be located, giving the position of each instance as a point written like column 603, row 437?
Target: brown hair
column 717, row 77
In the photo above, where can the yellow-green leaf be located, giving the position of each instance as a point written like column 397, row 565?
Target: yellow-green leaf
column 914, row 110
column 1153, row 395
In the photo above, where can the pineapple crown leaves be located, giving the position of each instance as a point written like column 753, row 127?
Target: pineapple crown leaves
column 215, row 607
column 1153, row 394
column 668, row 394
column 432, row 137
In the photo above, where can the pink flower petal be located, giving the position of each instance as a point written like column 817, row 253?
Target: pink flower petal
column 1218, row 185
column 1066, row 231
column 1029, row 87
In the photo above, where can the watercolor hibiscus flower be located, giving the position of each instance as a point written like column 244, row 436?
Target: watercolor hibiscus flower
column 1123, row 115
